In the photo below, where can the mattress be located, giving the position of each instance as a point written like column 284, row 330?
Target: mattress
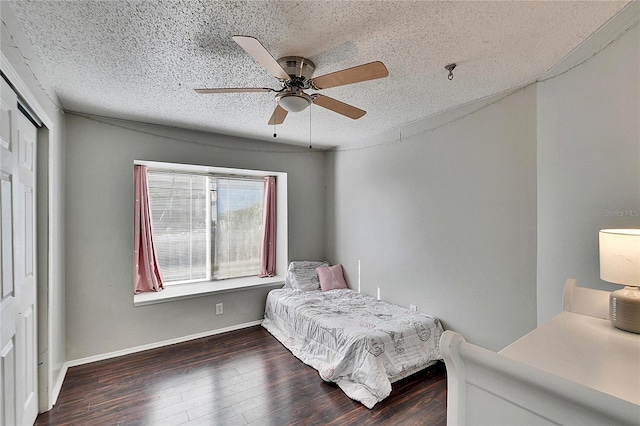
column 354, row 340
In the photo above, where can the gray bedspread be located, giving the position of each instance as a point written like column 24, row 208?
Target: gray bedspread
column 356, row 341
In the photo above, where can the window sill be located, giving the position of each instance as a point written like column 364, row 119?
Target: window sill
column 205, row 288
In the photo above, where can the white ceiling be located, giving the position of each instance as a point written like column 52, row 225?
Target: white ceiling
column 141, row 60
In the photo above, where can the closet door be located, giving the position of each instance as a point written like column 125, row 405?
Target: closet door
column 18, row 324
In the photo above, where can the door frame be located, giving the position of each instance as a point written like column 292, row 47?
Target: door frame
column 47, row 204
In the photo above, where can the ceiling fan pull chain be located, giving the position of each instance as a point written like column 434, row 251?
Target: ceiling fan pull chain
column 275, row 128
column 310, row 127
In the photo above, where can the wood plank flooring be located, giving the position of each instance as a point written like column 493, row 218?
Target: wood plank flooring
column 244, row 377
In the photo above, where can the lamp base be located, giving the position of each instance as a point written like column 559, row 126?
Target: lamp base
column 624, row 309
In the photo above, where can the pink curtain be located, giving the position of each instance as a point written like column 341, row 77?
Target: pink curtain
column 268, row 254
column 147, row 275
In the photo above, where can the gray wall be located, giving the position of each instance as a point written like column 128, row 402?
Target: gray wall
column 100, row 316
column 588, row 160
column 445, row 218
column 481, row 220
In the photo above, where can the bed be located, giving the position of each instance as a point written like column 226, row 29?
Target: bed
column 576, row 369
column 353, row 340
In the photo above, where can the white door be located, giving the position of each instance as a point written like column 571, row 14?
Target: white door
column 18, row 325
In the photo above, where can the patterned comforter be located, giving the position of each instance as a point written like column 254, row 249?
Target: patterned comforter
column 356, row 341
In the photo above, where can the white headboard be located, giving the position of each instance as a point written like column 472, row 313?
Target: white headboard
column 491, row 388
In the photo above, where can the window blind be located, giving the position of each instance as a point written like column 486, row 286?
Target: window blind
column 239, row 227
column 206, row 227
column 179, row 214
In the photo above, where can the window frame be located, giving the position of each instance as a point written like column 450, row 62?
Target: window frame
column 207, row 287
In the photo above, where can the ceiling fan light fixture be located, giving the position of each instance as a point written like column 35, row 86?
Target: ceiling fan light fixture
column 294, row 101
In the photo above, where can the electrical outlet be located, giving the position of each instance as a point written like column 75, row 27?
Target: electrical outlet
column 413, row 308
column 219, row 309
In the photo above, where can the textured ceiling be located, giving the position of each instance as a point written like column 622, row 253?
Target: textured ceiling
column 141, row 60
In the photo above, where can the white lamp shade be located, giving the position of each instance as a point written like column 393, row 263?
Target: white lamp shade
column 620, row 256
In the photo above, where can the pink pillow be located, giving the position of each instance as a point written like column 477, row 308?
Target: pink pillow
column 331, row 277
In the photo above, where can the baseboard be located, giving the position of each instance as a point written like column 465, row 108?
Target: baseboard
column 55, row 392
column 101, row 357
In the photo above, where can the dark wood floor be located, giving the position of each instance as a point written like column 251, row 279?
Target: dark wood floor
column 237, row 378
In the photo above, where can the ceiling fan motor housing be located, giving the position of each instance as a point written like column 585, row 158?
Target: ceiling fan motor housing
column 297, row 67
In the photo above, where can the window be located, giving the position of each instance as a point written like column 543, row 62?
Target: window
column 204, row 257
column 206, row 227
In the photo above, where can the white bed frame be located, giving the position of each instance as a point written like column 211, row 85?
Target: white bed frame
column 489, row 388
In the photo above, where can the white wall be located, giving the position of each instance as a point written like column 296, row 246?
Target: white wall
column 100, row 316
column 445, row 218
column 31, row 83
column 588, row 159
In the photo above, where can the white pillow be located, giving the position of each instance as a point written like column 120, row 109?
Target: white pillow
column 302, row 275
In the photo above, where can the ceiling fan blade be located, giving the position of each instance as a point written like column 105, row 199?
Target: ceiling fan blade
column 337, row 106
column 261, row 55
column 370, row 71
column 234, row 90
column 278, row 116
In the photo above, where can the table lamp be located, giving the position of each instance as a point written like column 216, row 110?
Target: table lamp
column 620, row 264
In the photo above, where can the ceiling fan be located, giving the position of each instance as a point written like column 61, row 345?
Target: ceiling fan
column 294, row 74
